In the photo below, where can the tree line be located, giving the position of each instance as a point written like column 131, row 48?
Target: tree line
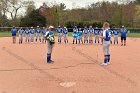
column 25, row 13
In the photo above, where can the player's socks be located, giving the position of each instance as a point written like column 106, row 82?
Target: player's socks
column 108, row 57
column 48, row 58
column 105, row 59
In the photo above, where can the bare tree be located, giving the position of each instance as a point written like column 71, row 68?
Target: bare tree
column 12, row 7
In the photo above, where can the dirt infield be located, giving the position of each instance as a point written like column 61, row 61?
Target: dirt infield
column 23, row 68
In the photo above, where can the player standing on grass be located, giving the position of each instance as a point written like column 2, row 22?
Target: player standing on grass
column 91, row 32
column 116, row 33
column 32, row 31
column 43, row 34
column 27, row 34
column 106, row 43
column 50, row 43
column 38, row 31
column 74, row 35
column 96, row 35
column 14, row 32
column 86, row 34
column 59, row 33
column 21, row 32
column 65, row 31
column 123, row 36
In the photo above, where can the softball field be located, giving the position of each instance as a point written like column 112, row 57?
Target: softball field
column 23, row 68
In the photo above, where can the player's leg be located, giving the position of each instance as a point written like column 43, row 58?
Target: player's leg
column 124, row 41
column 105, row 53
column 121, row 41
column 98, row 39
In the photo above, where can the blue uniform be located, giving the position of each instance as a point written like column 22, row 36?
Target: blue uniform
column 27, row 31
column 20, row 31
column 59, row 30
column 115, row 32
column 38, row 30
column 85, row 31
column 13, row 31
column 44, row 31
column 32, row 31
column 107, row 35
column 65, row 31
column 59, row 33
column 123, row 32
column 96, row 32
column 106, row 45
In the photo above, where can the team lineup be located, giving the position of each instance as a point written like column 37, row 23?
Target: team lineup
column 88, row 35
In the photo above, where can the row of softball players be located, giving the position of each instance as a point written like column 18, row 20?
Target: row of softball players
column 29, row 34
column 89, row 33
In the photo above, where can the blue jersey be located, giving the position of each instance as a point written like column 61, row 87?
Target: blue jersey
column 32, row 31
column 49, row 34
column 38, row 30
column 101, row 32
column 91, row 30
column 65, row 31
column 79, row 33
column 59, row 30
column 13, row 31
column 107, row 35
column 85, row 31
column 27, row 31
column 20, row 31
column 96, row 32
column 123, row 32
column 44, row 31
column 75, row 30
column 116, row 32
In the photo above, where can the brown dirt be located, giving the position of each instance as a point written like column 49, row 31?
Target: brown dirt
column 23, row 68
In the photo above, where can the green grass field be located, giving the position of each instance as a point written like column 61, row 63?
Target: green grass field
column 8, row 34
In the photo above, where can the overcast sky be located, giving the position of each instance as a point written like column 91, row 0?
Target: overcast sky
column 69, row 3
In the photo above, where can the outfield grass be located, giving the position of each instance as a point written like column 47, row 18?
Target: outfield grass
column 8, row 34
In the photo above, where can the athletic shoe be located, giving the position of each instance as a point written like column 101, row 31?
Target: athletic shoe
column 104, row 64
column 108, row 63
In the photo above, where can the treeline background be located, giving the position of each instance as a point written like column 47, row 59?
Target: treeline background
column 25, row 13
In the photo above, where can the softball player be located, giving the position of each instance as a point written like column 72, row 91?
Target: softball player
column 91, row 32
column 86, row 33
column 116, row 33
column 50, row 42
column 38, row 31
column 27, row 35
column 106, row 43
column 43, row 34
column 79, row 38
column 20, row 31
column 74, row 35
column 59, row 33
column 65, row 31
column 96, row 34
column 123, row 36
column 32, row 31
column 14, row 31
